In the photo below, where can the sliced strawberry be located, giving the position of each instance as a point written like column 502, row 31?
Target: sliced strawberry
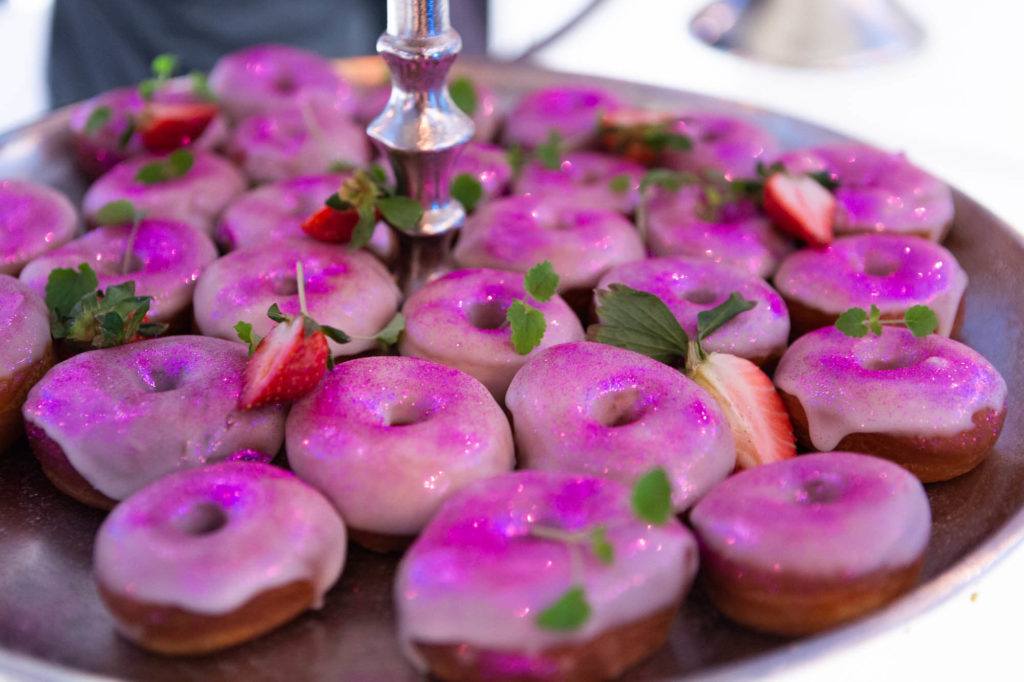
column 288, row 363
column 756, row 414
column 799, row 205
column 331, row 225
column 165, row 126
column 628, row 132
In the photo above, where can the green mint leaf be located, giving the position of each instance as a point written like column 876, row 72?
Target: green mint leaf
column 463, row 93
column 567, row 613
column 747, row 188
column 875, row 320
column 708, row 321
column 652, row 497
column 66, row 287
column 403, row 213
column 665, row 179
column 335, row 334
column 163, row 65
column 98, row 118
column 180, row 162
column 541, row 281
column 825, row 179
column 468, row 190
column 337, row 203
column 549, row 154
column 244, row 331
column 362, row 233
column 388, row 336
column 116, row 213
column 201, row 86
column 853, row 323
column 921, row 320
column 147, row 88
column 527, row 325
column 640, row 322
column 600, row 546
column 516, row 158
column 177, row 164
column 152, row 173
column 126, row 135
column 660, row 138
column 620, row 184
column 274, row 313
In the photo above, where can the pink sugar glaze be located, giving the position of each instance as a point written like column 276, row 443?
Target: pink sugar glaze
column 598, row 410
column 459, row 320
column 477, row 576
column 209, row 540
column 196, row 198
column 518, row 232
column 894, row 384
column 740, row 236
column 388, row 439
column 485, row 118
column 24, row 327
column 263, row 78
column 584, row 179
column 879, row 191
column 33, row 220
column 572, row 112
column 488, row 164
column 729, row 145
column 891, row 271
column 350, row 290
column 689, row 286
column 167, row 259
column 832, row 516
column 126, row 416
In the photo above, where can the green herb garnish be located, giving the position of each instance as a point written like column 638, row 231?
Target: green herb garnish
column 527, row 322
column 464, row 95
column 98, row 118
column 173, row 166
column 857, row 322
column 162, row 66
column 467, row 190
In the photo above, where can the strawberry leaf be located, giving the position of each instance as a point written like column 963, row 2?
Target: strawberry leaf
column 403, row 213
column 66, row 287
column 921, row 320
column 388, row 336
column 468, row 190
column 274, row 313
column 337, row 203
column 244, row 331
column 463, row 93
column 567, row 613
column 652, row 497
column 600, row 546
column 549, row 153
column 98, row 118
column 853, row 323
column 335, row 334
column 378, row 176
column 541, row 281
column 825, row 179
column 362, row 233
column 527, row 325
column 640, row 322
column 660, row 138
column 708, row 321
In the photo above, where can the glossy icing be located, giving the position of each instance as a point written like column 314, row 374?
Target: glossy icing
column 689, row 286
column 167, row 259
column 572, row 112
column 518, row 232
column 389, row 438
column 459, row 320
column 157, row 547
column 24, row 327
column 891, row 271
column 598, row 410
column 584, row 179
column 350, row 290
column 726, row 144
column 33, row 220
column 126, row 416
column 893, row 383
column 487, row 163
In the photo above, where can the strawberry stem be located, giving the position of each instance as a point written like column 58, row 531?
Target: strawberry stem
column 300, row 281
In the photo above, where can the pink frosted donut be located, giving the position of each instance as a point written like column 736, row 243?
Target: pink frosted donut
column 572, row 112
column 518, row 232
column 196, row 198
column 488, row 164
column 203, row 559
column 34, row 219
column 388, row 439
column 599, row 410
column 737, row 236
column 893, row 272
column 879, row 191
column 107, row 422
column 263, row 78
column 725, row 144
column 459, row 320
column 689, row 286
column 800, row 545
column 26, row 352
column 585, row 179
column 167, row 259
column 485, row 117
column 275, row 212
column 479, row 550
column 350, row 290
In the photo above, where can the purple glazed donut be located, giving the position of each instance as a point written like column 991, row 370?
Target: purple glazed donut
column 388, row 439
column 585, row 179
column 879, row 191
column 184, row 564
column 572, row 112
column 26, row 352
column 34, row 219
column 459, row 320
column 731, row 146
column 481, row 550
column 689, row 286
column 893, row 272
column 485, row 117
column 350, row 290
column 195, row 198
column 738, row 235
column 263, row 78
column 107, row 422
column 598, row 410
column 804, row 544
column 488, row 164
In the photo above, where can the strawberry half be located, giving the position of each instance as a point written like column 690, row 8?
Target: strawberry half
column 288, row 363
column 799, row 205
column 166, row 126
column 755, row 411
column 331, row 225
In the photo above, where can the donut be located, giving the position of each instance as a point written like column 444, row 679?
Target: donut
column 263, row 78
column 678, row 224
column 573, row 112
column 207, row 558
column 388, row 439
column 459, row 320
column 34, row 219
column 801, row 545
column 879, row 191
column 469, row 590
column 930, row 404
column 196, row 198
column 891, row 271
column 689, row 286
column 719, row 143
column 585, row 179
column 274, row 212
column 488, row 164
column 166, row 260
column 350, row 290
column 105, row 423
column 26, row 352
column 597, row 410
column 485, row 116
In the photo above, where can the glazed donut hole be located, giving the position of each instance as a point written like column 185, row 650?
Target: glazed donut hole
column 408, row 411
column 703, row 296
column 199, row 518
column 284, row 284
column 823, row 488
column 888, row 354
column 489, row 314
column 161, row 379
column 618, row 407
column 880, row 264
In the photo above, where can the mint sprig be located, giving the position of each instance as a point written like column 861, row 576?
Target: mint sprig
column 467, row 190
column 463, row 93
column 652, row 497
column 527, row 322
column 98, row 118
column 549, row 153
column 162, row 66
column 173, row 166
column 857, row 322
column 569, row 612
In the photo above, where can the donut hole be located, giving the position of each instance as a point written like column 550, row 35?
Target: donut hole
column 701, row 296
column 881, row 357
column 488, row 315
column 617, row 408
column 879, row 264
column 822, row 489
column 285, row 285
column 162, row 380
column 407, row 413
column 285, row 85
column 202, row 518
